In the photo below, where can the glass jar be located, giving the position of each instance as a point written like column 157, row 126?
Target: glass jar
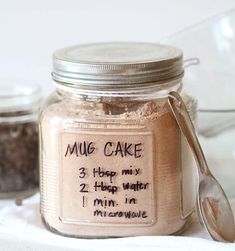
column 19, row 169
column 112, row 159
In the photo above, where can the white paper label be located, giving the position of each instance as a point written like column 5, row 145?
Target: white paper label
column 107, row 177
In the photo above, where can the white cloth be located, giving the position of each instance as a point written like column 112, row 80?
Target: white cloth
column 21, row 229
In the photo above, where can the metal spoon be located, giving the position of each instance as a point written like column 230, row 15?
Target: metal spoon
column 213, row 207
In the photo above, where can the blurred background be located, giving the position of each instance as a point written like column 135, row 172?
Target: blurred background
column 31, row 30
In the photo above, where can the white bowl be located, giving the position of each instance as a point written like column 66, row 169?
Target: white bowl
column 213, row 42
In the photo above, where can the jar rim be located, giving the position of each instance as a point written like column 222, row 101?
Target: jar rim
column 19, row 95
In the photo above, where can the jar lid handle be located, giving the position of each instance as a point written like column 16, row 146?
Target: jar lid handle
column 191, row 61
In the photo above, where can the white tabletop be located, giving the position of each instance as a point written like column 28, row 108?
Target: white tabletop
column 21, row 228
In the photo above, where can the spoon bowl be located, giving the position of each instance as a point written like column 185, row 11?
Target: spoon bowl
column 210, row 200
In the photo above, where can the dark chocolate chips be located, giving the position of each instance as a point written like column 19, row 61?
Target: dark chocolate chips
column 18, row 157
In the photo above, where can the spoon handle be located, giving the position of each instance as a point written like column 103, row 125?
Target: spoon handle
column 185, row 123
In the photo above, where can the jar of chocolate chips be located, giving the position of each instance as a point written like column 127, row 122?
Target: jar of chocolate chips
column 19, row 103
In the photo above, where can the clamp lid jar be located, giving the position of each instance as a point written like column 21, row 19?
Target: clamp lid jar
column 19, row 171
column 113, row 161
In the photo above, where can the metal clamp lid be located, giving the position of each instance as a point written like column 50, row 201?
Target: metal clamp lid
column 117, row 65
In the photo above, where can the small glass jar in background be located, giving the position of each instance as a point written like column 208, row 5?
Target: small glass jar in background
column 19, row 103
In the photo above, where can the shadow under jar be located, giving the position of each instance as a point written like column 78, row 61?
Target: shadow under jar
column 19, row 171
column 112, row 159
